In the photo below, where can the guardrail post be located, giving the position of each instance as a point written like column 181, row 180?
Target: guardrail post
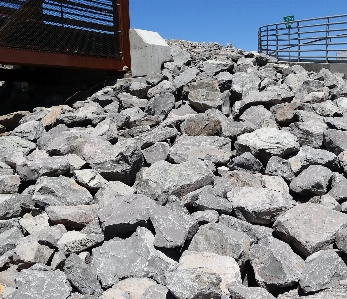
column 267, row 40
column 326, row 41
column 276, row 41
column 299, row 41
column 259, row 41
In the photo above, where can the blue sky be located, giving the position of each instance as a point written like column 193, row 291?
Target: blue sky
column 223, row 21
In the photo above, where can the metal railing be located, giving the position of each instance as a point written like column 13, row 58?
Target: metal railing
column 321, row 39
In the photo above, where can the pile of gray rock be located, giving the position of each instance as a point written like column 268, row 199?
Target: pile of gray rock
column 224, row 176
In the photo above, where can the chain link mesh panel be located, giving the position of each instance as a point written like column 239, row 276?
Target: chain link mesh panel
column 84, row 27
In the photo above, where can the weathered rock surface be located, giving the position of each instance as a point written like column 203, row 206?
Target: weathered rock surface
column 259, row 205
column 310, row 227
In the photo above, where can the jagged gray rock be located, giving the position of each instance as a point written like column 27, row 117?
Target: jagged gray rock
column 323, row 269
column 131, row 257
column 259, row 205
column 309, row 227
column 313, row 180
column 266, row 142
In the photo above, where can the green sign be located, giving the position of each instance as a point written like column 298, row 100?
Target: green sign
column 288, row 20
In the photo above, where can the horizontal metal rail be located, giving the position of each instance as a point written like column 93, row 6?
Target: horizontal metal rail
column 306, row 39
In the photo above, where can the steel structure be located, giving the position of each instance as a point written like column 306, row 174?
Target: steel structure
column 321, row 39
column 84, row 34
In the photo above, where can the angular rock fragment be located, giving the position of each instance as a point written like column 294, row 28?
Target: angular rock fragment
column 9, row 184
column 157, row 152
column 313, row 180
column 117, row 163
column 81, row 276
column 131, row 257
column 172, row 227
column 202, row 100
column 309, row 133
column 90, row 179
column 109, row 192
column 212, row 148
column 31, row 130
column 309, row 227
column 60, row 191
column 202, row 275
column 12, row 144
column 124, row 214
column 34, row 167
column 323, row 269
column 72, row 216
column 161, row 104
column 33, row 225
column 201, row 125
column 259, row 205
column 41, row 283
column 9, row 239
column 275, row 265
column 335, row 141
column 266, row 142
column 163, row 179
column 75, row 242
column 222, row 240
column 242, row 292
column 254, row 232
column 247, row 162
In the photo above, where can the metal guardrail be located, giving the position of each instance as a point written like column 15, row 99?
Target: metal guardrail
column 321, row 39
column 65, row 33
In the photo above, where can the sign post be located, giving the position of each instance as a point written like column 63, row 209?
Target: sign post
column 288, row 20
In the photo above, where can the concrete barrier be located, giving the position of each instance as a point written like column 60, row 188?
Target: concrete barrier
column 316, row 67
column 148, row 52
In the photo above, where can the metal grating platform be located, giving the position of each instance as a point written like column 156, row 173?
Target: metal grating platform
column 76, row 27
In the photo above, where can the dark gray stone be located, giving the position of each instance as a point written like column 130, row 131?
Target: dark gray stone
column 139, row 89
column 185, row 77
column 161, row 104
column 323, row 269
column 259, row 116
column 163, row 179
column 131, row 257
column 9, row 239
column 309, row 133
column 157, row 152
column 31, row 130
column 14, row 205
column 60, row 191
column 124, row 214
column 77, row 216
column 254, row 232
column 158, row 134
column 82, row 276
column 213, row 67
column 120, row 162
column 172, row 227
column 275, row 265
column 34, row 284
column 310, row 156
column 247, row 162
column 284, row 113
column 279, row 167
column 202, row 100
column 162, row 88
column 313, row 180
column 335, row 141
column 243, row 292
column 222, row 240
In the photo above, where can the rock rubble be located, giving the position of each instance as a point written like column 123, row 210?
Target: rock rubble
column 224, row 176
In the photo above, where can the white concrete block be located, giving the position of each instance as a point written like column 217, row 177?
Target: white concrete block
column 148, row 52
